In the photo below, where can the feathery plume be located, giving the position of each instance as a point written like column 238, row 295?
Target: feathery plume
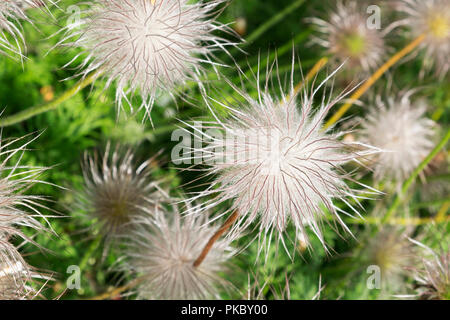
column 163, row 248
column 398, row 126
column 433, row 277
column 17, row 210
column 146, row 46
column 14, row 273
column 347, row 36
column 275, row 161
column 432, row 18
column 12, row 41
column 264, row 291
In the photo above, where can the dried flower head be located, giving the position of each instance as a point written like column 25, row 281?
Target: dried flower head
column 434, row 278
column 145, row 46
column 347, row 36
column 392, row 252
column 17, row 210
column 116, row 189
column 163, row 248
column 432, row 18
column 12, row 41
column 275, row 161
column 398, row 126
column 435, row 184
column 14, row 273
column 265, row 291
column 432, row 275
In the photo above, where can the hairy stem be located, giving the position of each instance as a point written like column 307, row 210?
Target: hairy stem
column 228, row 223
column 33, row 111
column 414, row 175
column 369, row 82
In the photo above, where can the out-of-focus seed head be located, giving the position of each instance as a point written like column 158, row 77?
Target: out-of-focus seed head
column 398, row 126
column 433, row 276
column 275, row 161
column 147, row 46
column 18, row 210
column 162, row 250
column 12, row 41
column 348, row 37
column 116, row 189
column 432, row 18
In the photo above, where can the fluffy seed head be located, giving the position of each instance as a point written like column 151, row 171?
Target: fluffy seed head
column 145, row 46
column 393, row 253
column 14, row 273
column 115, row 190
column 17, row 209
column 274, row 160
column 347, row 37
column 163, row 248
column 12, row 41
column 432, row 18
column 398, row 126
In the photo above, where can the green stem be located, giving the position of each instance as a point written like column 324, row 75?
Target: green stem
column 273, row 21
column 31, row 112
column 414, row 175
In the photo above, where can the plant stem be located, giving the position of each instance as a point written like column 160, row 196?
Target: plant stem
column 273, row 21
column 413, row 221
column 30, row 112
column 369, row 82
column 443, row 210
column 228, row 223
column 311, row 74
column 414, row 175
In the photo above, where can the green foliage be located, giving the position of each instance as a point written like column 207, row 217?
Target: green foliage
column 89, row 119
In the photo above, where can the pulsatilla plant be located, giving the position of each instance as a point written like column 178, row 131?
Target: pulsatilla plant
column 280, row 158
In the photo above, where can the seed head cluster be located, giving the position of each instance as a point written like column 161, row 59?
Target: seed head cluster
column 147, row 46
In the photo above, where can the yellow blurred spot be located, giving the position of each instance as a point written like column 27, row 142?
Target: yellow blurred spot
column 439, row 26
column 47, row 93
column 153, row 1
